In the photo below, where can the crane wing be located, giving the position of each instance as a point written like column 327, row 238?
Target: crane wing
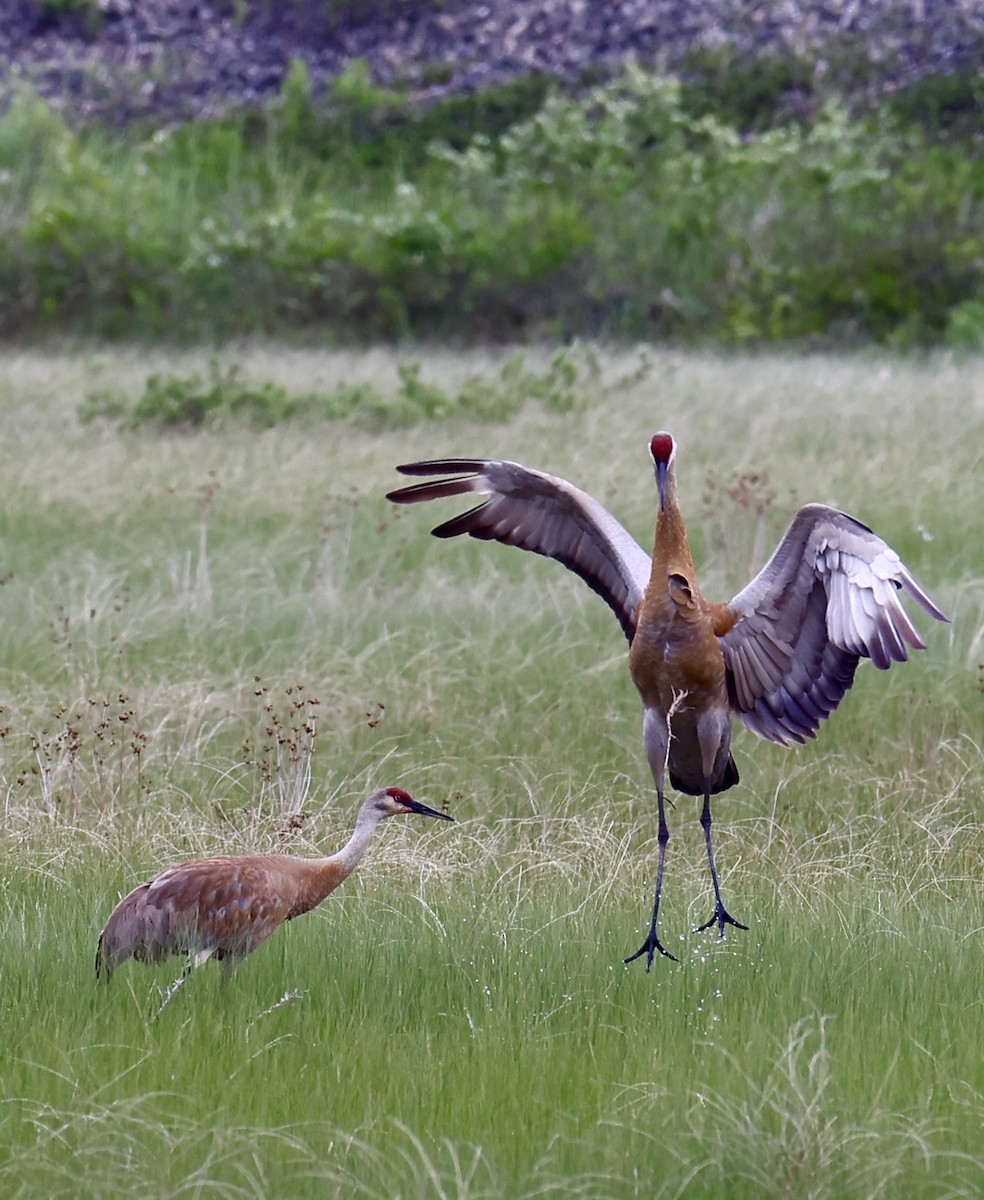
column 227, row 905
column 828, row 597
column 543, row 514
column 231, row 903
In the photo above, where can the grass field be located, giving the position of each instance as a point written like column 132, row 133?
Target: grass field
column 217, row 642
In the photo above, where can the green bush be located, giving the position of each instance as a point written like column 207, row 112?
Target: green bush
column 188, row 402
column 965, row 326
column 628, row 210
column 87, row 13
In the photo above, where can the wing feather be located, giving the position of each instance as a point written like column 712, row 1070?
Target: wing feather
column 226, row 905
column 545, row 515
column 828, row 597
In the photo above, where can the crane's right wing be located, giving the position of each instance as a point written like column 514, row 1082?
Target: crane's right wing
column 828, row 597
column 543, row 514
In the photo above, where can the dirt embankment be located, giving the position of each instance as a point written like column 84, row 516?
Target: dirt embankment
column 175, row 59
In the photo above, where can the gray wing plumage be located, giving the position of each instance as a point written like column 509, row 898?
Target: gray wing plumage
column 134, row 928
column 226, row 905
column 543, row 514
column 828, row 597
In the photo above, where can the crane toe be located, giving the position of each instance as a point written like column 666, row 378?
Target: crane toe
column 649, row 948
column 720, row 917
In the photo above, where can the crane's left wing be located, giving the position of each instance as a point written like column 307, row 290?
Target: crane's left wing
column 543, row 514
column 792, row 639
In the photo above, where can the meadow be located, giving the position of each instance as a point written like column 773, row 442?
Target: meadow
column 216, row 639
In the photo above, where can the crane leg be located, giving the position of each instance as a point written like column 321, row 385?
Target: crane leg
column 721, row 916
column 652, row 942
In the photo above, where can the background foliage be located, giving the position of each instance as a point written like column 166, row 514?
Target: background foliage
column 636, row 207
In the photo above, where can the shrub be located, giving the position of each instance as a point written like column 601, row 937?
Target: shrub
column 627, row 210
column 188, row 402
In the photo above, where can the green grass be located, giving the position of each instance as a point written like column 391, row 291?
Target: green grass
column 456, row 1021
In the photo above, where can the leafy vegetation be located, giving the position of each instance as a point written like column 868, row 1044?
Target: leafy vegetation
column 53, row 9
column 189, row 401
column 634, row 209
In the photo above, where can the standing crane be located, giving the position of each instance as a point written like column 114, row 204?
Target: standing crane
column 228, row 905
column 780, row 655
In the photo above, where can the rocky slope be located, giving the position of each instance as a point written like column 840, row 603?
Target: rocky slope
column 180, row 58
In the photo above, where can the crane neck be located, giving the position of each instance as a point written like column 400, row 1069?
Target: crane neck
column 350, row 855
column 325, row 874
column 671, row 548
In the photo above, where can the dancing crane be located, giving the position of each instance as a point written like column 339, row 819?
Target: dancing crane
column 780, row 655
column 228, row 905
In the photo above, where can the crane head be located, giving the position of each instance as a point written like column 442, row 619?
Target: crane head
column 663, row 450
column 392, row 801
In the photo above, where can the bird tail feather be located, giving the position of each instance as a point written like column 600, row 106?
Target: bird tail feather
column 693, row 786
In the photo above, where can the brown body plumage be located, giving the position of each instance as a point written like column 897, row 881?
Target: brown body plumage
column 228, row 905
column 780, row 655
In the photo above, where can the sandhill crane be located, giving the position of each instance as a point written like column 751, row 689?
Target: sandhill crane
column 781, row 654
column 228, row 905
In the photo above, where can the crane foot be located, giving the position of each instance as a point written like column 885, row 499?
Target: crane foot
column 649, row 948
column 720, row 917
